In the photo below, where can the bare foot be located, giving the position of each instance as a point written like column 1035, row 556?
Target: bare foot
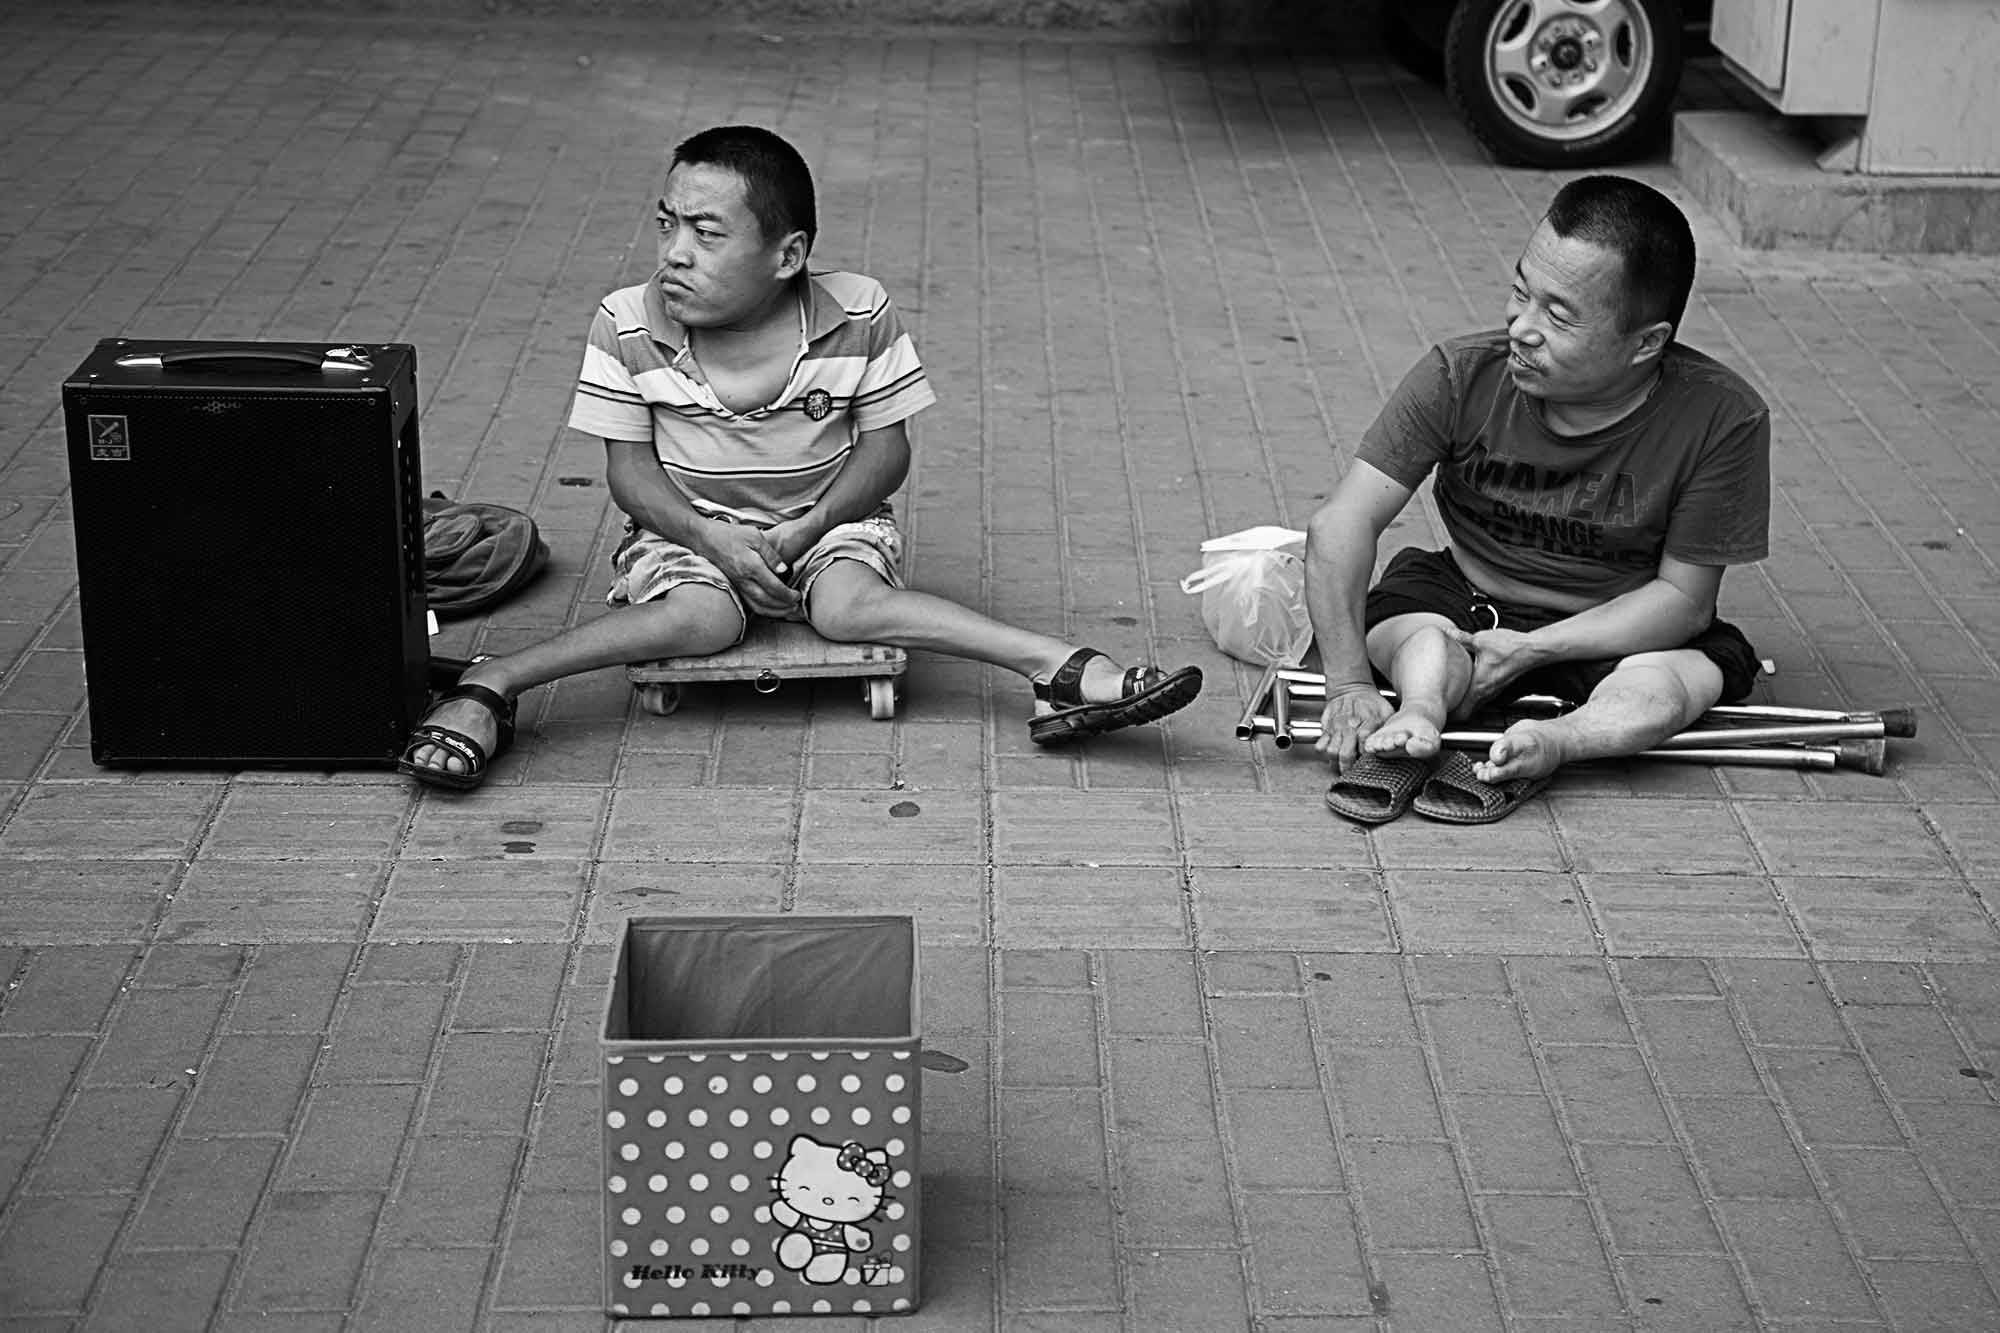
column 472, row 719
column 1404, row 733
column 1531, row 749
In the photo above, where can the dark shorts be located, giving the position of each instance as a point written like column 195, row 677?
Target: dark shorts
column 1431, row 581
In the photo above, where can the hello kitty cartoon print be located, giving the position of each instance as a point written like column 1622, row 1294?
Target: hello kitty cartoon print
column 824, row 1189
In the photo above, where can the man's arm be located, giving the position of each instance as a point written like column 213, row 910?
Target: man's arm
column 875, row 467
column 744, row 554
column 1665, row 613
column 1341, row 543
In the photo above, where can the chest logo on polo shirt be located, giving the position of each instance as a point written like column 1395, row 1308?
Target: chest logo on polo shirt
column 818, row 403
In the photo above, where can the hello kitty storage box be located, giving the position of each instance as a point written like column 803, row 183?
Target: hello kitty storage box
column 761, row 1091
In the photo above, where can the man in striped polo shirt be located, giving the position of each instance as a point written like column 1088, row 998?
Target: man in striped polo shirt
column 753, row 417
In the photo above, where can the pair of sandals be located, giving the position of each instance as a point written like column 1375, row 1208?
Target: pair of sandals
column 1146, row 694
column 1377, row 788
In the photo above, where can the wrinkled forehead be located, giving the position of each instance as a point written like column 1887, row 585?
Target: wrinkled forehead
column 1581, row 274
column 701, row 189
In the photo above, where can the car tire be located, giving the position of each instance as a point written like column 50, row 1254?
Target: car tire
column 1564, row 83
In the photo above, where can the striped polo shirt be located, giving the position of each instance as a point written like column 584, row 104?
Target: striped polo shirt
column 857, row 370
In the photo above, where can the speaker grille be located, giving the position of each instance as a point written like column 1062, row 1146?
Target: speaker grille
column 250, row 567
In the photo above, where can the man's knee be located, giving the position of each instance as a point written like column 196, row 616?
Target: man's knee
column 691, row 620
column 1414, row 629
column 1679, row 681
column 848, row 609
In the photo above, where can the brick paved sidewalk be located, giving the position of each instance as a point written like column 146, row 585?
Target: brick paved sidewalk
column 1674, row 1047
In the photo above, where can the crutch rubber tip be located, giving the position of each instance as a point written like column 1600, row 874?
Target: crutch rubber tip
column 1899, row 721
column 1870, row 756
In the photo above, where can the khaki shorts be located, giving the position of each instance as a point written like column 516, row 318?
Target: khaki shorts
column 646, row 566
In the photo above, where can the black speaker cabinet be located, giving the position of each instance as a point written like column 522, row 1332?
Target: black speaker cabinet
column 249, row 547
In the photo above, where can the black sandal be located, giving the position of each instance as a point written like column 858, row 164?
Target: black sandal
column 1149, row 694
column 475, row 757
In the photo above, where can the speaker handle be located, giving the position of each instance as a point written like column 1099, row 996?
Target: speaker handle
column 288, row 358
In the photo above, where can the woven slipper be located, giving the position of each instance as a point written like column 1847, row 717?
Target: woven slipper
column 1455, row 796
column 445, row 738
column 1148, row 694
column 1376, row 788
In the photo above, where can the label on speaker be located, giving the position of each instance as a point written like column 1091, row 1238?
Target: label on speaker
column 110, row 439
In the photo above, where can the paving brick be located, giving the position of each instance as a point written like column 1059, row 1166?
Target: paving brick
column 106, row 821
column 453, row 1192
column 1843, row 838
column 1488, row 912
column 1282, row 1139
column 1863, row 918
column 204, row 1193
column 1915, row 1054
column 158, row 1038
column 552, row 1257
column 948, row 905
column 1360, row 1000
column 1934, row 1295
column 484, row 1083
column 1674, row 914
column 539, row 824
column 1743, row 1148
column 1188, row 1289
column 628, row 889
column 393, row 960
column 96, row 902
column 1481, row 1046
column 1696, row 1048
column 1048, row 1040
column 167, row 1291
column 106, row 1139
column 509, row 987
column 1412, row 1196
column 250, row 1085
column 738, row 824
column 1055, row 1184
column 66, row 990
column 1691, row 1293
column 1167, row 1148
column 384, row 1034
column 1606, row 1093
column 289, row 988
column 1083, row 829
column 351, row 1137
column 1438, row 1291
column 892, row 828
column 1512, row 1143
column 1798, row 1267
column 332, row 1228
column 52, row 1248
column 429, row 1288
column 1151, row 991
column 1111, row 908
column 275, row 901
column 39, row 1072
column 1320, row 909
column 497, row 900
column 1263, row 1043
column 308, row 823
column 1569, row 1000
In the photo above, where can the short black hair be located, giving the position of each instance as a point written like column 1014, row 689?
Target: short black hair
column 776, row 181
column 1645, row 229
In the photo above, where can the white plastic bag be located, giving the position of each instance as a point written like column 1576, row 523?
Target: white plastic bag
column 1253, row 593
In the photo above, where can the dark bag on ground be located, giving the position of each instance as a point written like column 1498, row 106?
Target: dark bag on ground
column 477, row 555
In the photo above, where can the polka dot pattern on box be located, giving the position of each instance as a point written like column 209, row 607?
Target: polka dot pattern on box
column 762, row 1182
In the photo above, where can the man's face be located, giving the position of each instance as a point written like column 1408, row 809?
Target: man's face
column 1564, row 322
column 716, row 265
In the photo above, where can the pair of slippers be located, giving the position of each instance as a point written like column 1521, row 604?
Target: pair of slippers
column 1375, row 789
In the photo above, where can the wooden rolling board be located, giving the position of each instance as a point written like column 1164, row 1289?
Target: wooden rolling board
column 772, row 652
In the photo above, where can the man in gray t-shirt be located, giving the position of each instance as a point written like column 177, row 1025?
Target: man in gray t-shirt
column 1594, row 478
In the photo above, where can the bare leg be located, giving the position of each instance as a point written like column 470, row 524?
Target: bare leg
column 1648, row 698
column 692, row 620
column 851, row 603
column 1431, row 674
